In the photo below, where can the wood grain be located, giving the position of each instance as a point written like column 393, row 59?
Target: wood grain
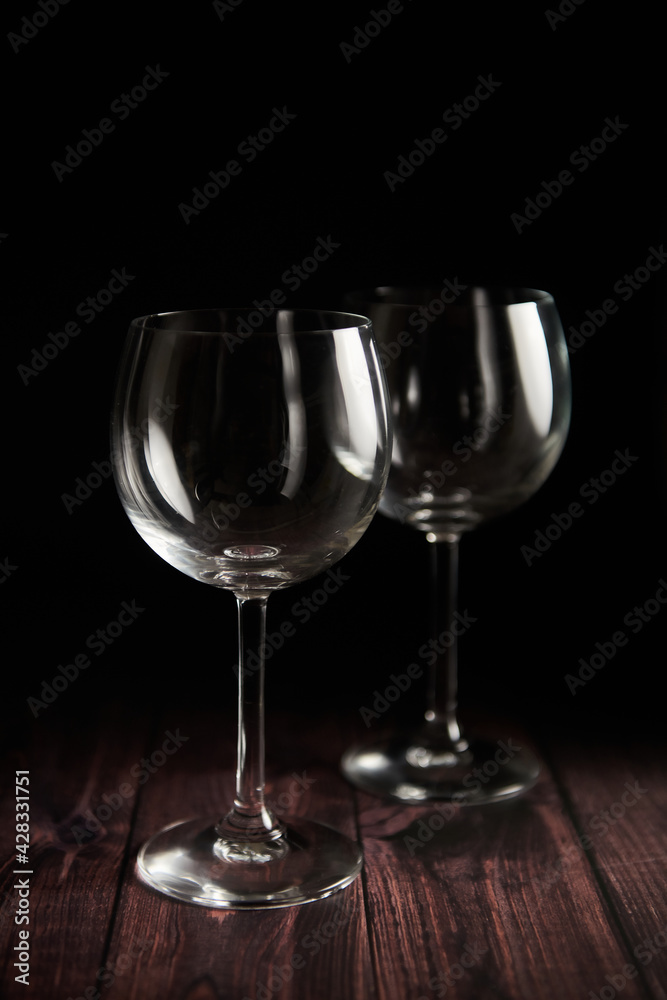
column 482, row 891
column 77, row 846
column 317, row 950
column 618, row 799
column 507, row 901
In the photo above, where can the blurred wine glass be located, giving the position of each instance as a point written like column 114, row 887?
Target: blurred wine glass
column 480, row 399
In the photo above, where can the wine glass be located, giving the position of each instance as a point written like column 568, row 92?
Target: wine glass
column 480, row 393
column 250, row 453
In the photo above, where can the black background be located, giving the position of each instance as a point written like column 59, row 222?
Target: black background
column 323, row 176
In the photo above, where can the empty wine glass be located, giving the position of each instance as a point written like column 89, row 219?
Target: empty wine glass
column 480, row 395
column 251, row 452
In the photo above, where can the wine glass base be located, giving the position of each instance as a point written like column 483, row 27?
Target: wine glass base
column 187, row 861
column 406, row 768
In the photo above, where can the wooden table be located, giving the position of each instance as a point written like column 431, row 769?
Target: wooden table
column 559, row 894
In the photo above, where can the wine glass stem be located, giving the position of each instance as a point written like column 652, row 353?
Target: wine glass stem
column 250, row 814
column 442, row 709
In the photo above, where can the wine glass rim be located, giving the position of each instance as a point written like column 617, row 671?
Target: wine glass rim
column 226, row 320
column 471, row 296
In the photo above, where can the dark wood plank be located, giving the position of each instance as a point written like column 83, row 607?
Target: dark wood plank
column 77, row 846
column 474, row 895
column 495, row 902
column 313, row 951
column 618, row 797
